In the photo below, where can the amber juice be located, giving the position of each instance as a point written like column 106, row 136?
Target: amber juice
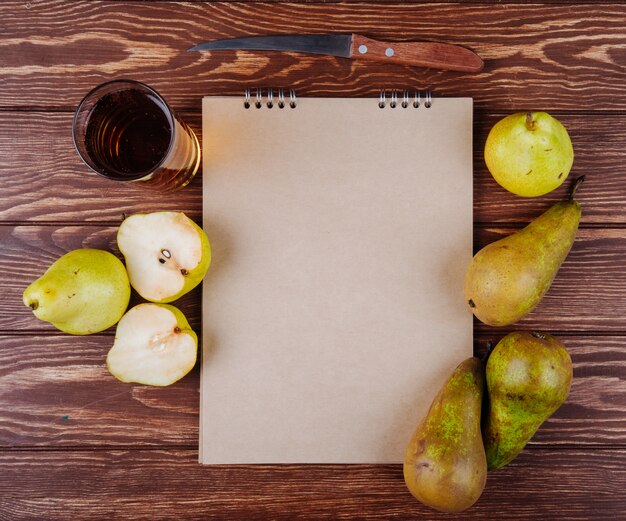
column 125, row 131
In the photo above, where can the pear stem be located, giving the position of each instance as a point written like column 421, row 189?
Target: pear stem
column 577, row 184
column 531, row 124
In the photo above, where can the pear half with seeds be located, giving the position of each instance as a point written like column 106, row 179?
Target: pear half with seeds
column 154, row 345
column 166, row 253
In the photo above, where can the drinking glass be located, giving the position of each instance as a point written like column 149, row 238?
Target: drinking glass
column 125, row 131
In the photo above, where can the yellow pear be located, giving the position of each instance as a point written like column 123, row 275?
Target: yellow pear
column 83, row 292
column 529, row 154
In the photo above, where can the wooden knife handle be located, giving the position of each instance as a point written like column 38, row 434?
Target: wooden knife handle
column 423, row 54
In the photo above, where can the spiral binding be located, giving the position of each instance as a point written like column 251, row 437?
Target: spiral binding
column 407, row 100
column 258, row 103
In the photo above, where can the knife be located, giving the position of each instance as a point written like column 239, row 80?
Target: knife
column 423, row 54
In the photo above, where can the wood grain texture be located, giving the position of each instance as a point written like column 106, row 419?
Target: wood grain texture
column 56, row 392
column 27, row 251
column 154, row 485
column 588, row 294
column 421, row 54
column 42, row 179
column 77, row 444
column 599, row 143
column 538, row 56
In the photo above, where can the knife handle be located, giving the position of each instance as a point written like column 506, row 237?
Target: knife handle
column 423, row 54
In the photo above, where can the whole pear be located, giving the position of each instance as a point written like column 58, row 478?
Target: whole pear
column 444, row 464
column 529, row 154
column 82, row 292
column 528, row 378
column 508, row 278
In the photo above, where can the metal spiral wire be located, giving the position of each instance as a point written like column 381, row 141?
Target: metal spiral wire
column 268, row 99
column 406, row 100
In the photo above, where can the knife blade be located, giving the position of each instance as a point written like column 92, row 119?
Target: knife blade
column 355, row 46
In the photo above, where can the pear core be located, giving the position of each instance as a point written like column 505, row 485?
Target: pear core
column 154, row 345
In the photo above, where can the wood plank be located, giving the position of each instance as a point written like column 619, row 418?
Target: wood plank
column 539, row 56
column 588, row 294
column 36, row 151
column 595, row 410
column 42, row 178
column 27, row 251
column 589, row 291
column 152, row 485
column 599, row 143
column 55, row 391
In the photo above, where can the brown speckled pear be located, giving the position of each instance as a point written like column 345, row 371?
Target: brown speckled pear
column 445, row 465
column 528, row 378
column 508, row 278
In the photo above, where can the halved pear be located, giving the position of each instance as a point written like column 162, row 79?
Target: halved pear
column 166, row 254
column 154, row 345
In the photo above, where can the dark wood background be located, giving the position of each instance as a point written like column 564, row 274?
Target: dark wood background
column 77, row 444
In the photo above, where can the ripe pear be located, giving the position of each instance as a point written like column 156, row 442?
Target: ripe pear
column 444, row 465
column 82, row 292
column 166, row 253
column 154, row 345
column 529, row 154
column 508, row 278
column 528, row 378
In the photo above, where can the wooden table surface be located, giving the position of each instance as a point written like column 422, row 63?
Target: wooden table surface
column 77, row 444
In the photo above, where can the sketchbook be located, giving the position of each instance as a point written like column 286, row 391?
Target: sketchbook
column 333, row 311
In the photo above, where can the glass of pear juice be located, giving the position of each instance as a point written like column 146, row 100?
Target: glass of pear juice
column 125, row 131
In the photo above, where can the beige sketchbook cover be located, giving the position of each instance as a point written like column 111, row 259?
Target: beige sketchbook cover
column 333, row 310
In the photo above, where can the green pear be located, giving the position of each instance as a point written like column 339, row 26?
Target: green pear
column 83, row 292
column 529, row 154
column 166, row 253
column 528, row 378
column 154, row 345
column 508, row 278
column 444, row 465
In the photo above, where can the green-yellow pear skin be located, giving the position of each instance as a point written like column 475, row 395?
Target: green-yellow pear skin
column 82, row 292
column 529, row 154
column 444, row 464
column 508, row 278
column 528, row 378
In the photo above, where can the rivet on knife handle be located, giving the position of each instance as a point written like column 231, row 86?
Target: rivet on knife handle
column 423, row 54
